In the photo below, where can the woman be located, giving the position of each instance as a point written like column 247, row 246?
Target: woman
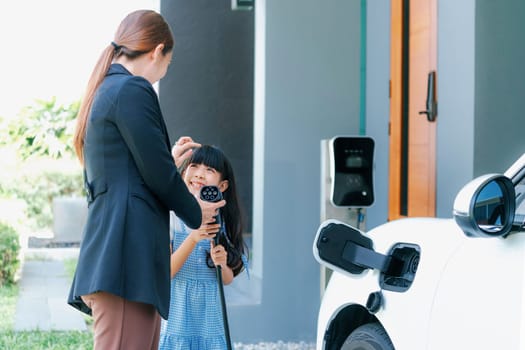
column 123, row 273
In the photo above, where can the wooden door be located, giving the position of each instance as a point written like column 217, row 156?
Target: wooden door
column 412, row 169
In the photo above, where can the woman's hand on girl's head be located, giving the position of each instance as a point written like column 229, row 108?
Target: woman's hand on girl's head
column 182, row 149
column 218, row 254
column 206, row 231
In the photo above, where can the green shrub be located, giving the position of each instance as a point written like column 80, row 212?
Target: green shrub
column 38, row 159
column 37, row 190
column 8, row 298
column 9, row 249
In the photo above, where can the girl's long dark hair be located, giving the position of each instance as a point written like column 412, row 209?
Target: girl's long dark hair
column 231, row 213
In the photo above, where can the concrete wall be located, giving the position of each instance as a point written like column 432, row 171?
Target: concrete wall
column 500, row 85
column 455, row 93
column 378, row 103
column 208, row 91
column 480, row 92
column 306, row 89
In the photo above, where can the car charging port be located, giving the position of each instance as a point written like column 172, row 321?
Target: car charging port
column 402, row 271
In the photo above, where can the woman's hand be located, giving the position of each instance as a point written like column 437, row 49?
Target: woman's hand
column 209, row 210
column 206, row 231
column 182, row 149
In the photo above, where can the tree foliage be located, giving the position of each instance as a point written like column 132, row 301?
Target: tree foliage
column 45, row 128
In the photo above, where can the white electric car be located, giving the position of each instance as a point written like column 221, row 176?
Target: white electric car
column 427, row 283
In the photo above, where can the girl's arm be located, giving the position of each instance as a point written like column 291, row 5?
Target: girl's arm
column 219, row 255
column 181, row 254
column 227, row 274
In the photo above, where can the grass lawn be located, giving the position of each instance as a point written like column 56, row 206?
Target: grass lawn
column 40, row 340
column 36, row 340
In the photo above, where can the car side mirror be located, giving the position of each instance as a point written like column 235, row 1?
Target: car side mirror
column 485, row 207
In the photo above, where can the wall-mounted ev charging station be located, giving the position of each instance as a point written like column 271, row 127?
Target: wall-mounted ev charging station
column 352, row 162
column 347, row 185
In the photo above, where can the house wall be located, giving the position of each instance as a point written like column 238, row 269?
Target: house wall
column 500, row 85
column 378, row 103
column 480, row 92
column 306, row 90
column 456, row 99
column 208, row 90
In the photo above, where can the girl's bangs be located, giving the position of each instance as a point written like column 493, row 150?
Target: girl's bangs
column 209, row 156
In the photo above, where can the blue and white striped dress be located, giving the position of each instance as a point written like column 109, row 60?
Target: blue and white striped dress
column 195, row 317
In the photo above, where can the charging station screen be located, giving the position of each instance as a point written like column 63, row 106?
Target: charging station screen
column 352, row 184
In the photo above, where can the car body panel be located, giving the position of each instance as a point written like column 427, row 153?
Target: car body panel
column 468, row 291
column 452, row 303
column 480, row 302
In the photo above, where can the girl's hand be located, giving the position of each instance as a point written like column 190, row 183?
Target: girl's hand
column 206, row 231
column 218, row 254
column 182, row 149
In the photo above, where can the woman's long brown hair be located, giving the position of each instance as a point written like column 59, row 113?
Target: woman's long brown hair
column 139, row 32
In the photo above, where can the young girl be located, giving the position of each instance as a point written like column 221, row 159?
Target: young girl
column 195, row 318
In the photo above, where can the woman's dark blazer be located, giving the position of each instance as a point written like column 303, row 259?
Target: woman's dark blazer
column 132, row 184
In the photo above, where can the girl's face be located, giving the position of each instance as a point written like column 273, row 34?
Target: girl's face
column 198, row 175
